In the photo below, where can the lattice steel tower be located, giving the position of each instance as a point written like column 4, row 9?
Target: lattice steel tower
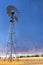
column 12, row 11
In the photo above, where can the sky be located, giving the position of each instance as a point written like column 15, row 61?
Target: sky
column 29, row 29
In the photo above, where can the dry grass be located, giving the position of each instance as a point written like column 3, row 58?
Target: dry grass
column 23, row 61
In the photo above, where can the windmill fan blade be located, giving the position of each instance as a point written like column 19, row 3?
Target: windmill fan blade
column 13, row 12
column 16, row 18
column 10, row 8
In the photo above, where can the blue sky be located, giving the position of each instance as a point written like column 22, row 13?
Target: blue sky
column 29, row 30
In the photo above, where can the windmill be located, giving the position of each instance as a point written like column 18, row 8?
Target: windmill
column 12, row 12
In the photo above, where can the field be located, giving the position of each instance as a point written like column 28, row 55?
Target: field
column 23, row 61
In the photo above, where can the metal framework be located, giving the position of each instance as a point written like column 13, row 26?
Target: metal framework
column 12, row 11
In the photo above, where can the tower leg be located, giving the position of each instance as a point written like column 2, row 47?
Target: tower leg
column 11, row 40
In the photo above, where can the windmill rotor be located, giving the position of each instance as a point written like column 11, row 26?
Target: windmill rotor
column 13, row 12
column 10, row 9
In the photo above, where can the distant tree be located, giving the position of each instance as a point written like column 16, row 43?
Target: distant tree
column 41, row 55
column 21, row 56
column 0, row 57
column 32, row 56
column 27, row 56
column 36, row 55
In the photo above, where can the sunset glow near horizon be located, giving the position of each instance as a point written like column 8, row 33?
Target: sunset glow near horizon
column 29, row 29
